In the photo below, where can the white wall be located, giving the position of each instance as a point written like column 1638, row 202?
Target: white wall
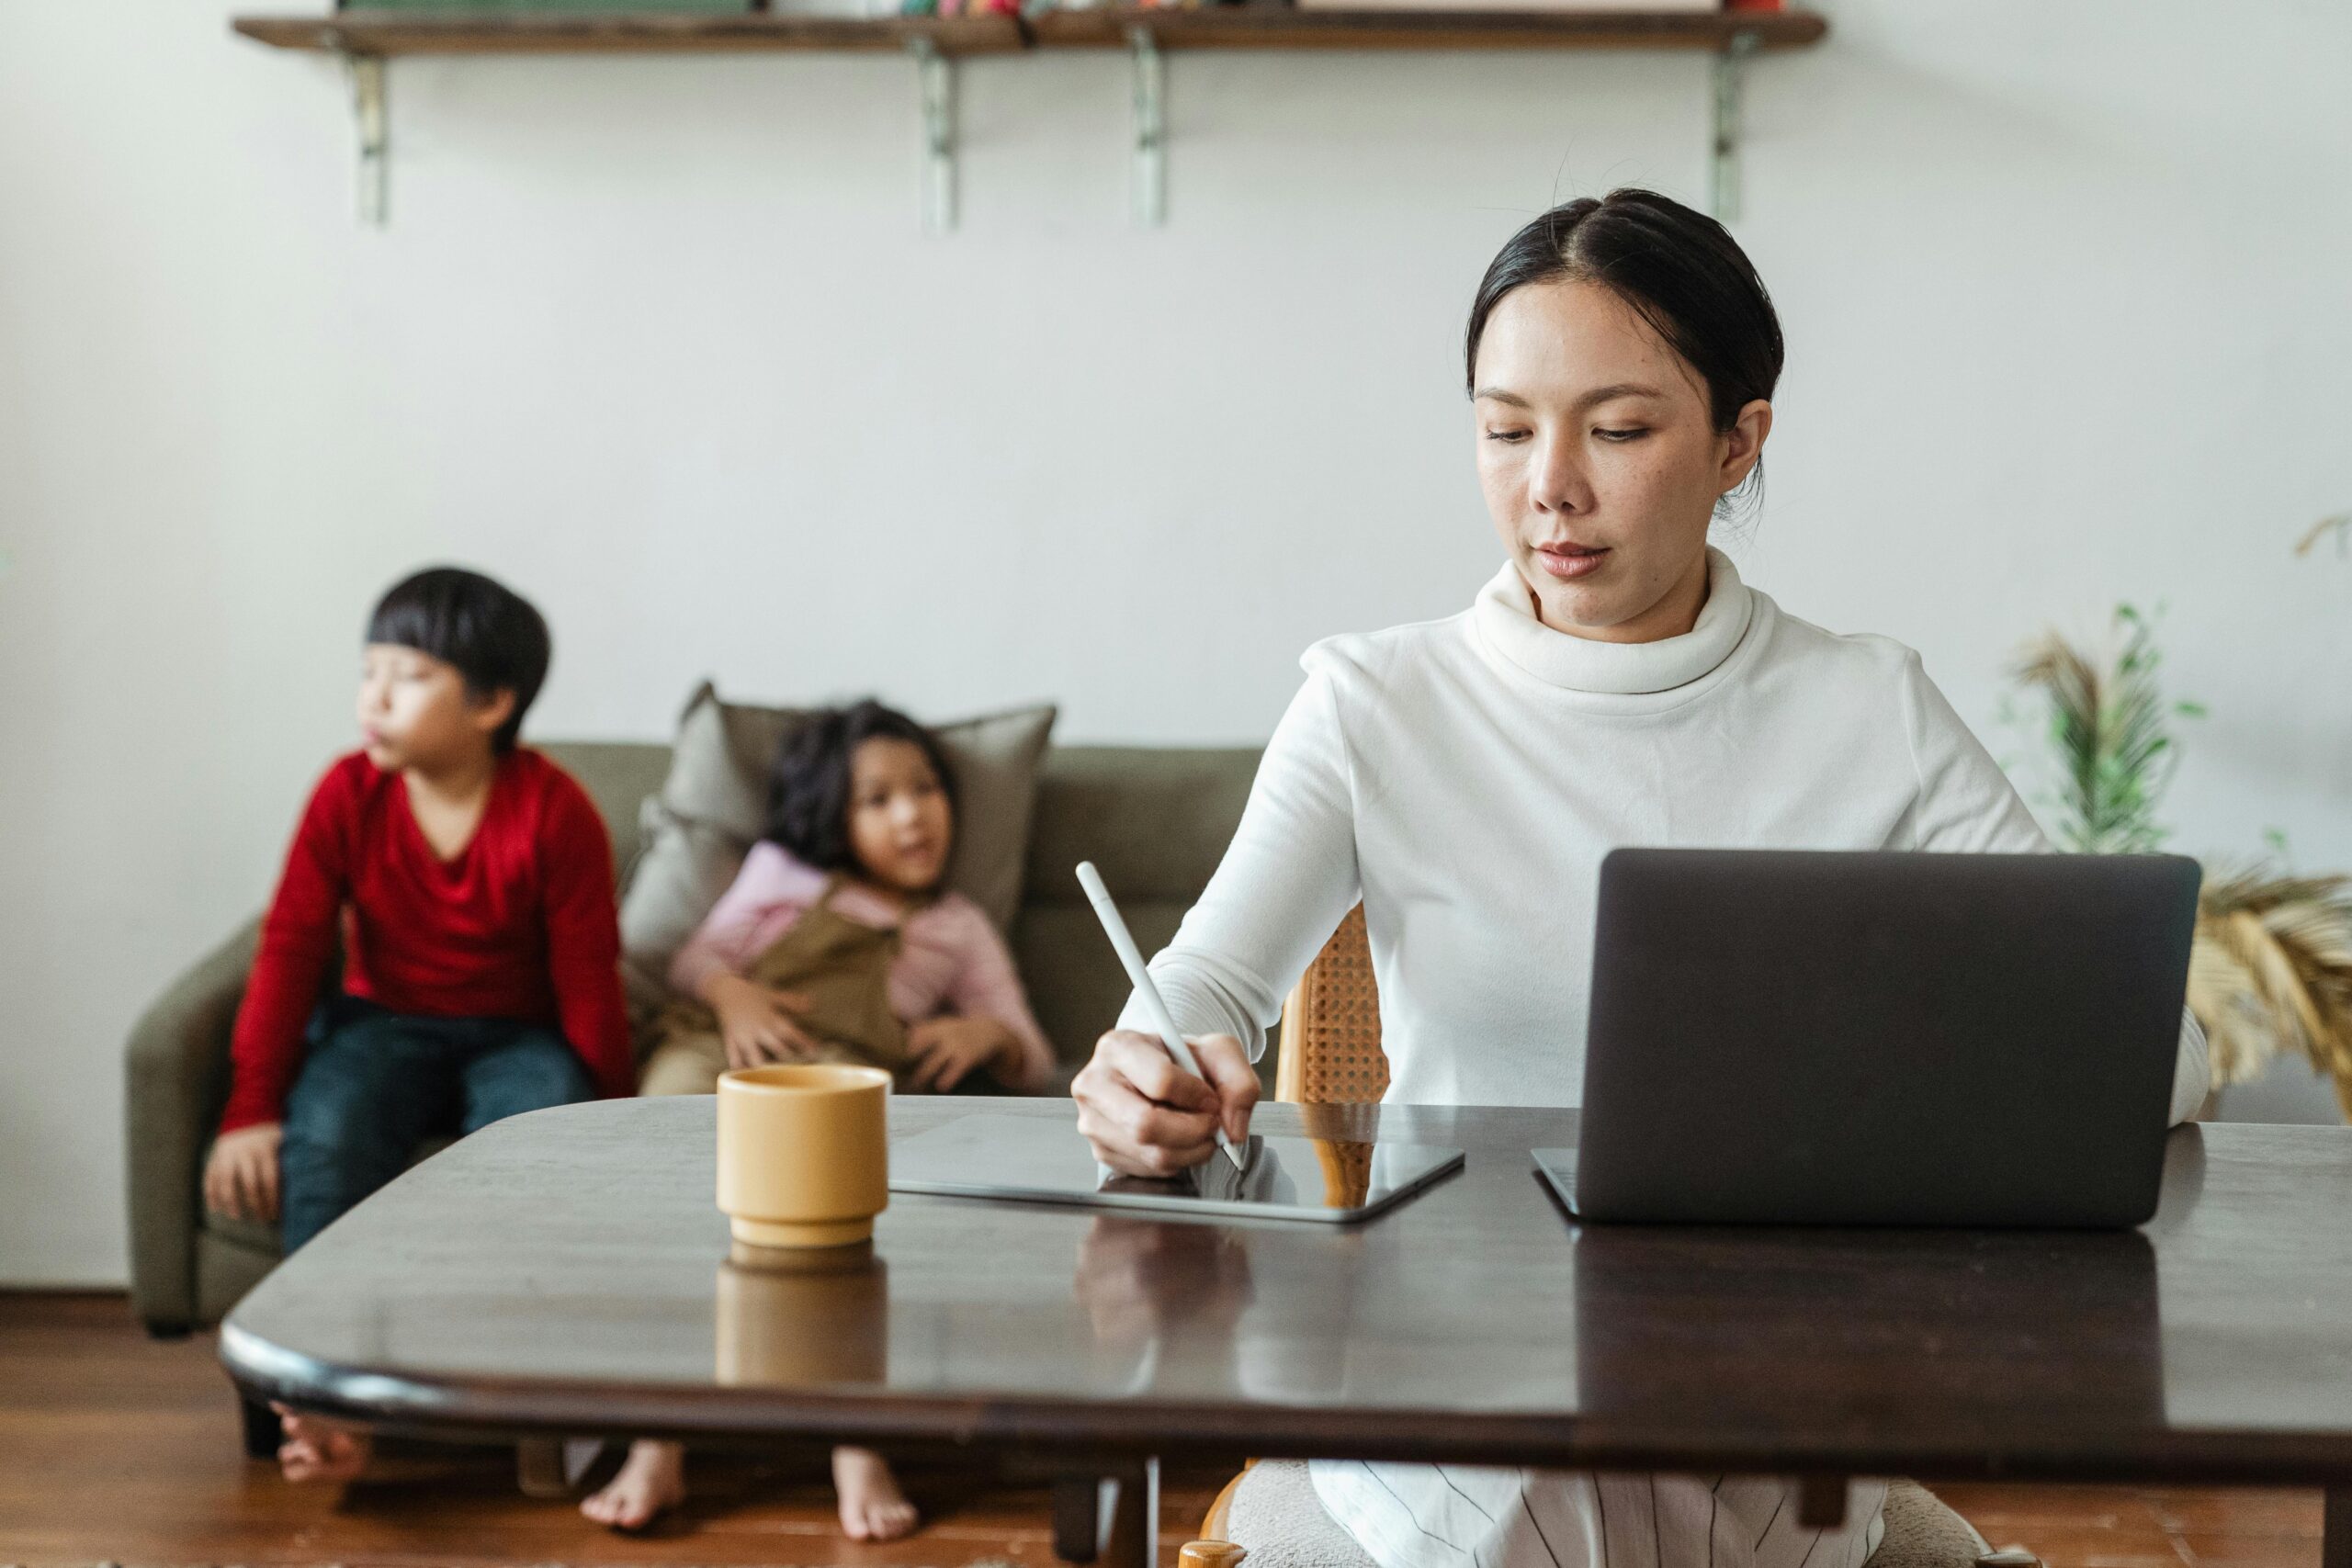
column 2065, row 288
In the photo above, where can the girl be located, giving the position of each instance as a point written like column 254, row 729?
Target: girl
column 1614, row 682
column 835, row 943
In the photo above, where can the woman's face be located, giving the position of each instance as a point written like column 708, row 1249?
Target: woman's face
column 899, row 824
column 1599, row 461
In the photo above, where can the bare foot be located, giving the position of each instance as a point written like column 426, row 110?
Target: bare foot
column 651, row 1482
column 873, row 1508
column 319, row 1450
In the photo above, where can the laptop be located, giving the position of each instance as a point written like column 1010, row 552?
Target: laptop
column 1821, row 1038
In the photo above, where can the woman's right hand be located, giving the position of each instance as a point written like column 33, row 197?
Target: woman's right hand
column 757, row 1024
column 1146, row 1116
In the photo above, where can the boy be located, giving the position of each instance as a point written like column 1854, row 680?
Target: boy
column 471, row 883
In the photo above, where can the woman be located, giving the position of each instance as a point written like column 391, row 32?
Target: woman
column 1614, row 684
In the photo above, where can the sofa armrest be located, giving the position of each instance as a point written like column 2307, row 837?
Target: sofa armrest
column 176, row 1078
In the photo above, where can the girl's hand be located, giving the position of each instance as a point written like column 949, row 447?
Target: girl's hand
column 240, row 1174
column 943, row 1051
column 758, row 1025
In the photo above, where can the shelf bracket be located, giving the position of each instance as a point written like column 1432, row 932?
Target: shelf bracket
column 1151, row 128
column 936, row 75
column 374, row 123
column 1731, row 75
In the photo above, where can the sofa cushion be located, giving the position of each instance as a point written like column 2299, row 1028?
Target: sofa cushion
column 713, row 804
column 1155, row 820
column 681, row 870
column 618, row 775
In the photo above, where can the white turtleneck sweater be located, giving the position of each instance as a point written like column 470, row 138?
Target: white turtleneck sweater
column 1465, row 777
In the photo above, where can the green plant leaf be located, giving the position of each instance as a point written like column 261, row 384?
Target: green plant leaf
column 2106, row 729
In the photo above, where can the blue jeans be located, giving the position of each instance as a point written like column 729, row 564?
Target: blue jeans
column 375, row 1084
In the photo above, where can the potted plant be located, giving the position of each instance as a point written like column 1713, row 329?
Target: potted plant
column 2270, row 971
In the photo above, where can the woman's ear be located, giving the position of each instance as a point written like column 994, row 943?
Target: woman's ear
column 1744, row 443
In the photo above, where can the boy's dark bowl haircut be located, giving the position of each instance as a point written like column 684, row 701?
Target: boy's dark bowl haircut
column 809, row 784
column 490, row 633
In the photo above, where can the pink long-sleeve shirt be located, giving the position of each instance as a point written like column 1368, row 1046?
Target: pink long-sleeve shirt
column 950, row 961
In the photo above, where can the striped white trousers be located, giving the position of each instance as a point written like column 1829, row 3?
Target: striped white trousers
column 1430, row 1516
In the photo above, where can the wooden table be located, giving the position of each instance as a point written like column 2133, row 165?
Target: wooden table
column 566, row 1272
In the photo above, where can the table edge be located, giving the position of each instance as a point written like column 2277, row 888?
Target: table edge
column 521, row 1407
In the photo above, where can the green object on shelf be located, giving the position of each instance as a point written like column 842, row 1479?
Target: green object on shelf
column 553, row 7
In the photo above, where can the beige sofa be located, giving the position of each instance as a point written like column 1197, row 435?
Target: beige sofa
column 1155, row 819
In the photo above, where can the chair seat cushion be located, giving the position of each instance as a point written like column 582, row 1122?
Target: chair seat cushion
column 1276, row 1514
column 1922, row 1534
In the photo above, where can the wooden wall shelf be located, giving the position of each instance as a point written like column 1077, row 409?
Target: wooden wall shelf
column 1285, row 27
column 367, row 39
column 394, row 33
column 391, row 34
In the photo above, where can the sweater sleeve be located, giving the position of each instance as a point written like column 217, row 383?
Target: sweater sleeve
column 769, row 878
column 584, row 936
column 987, row 986
column 1286, row 881
column 298, row 939
column 1967, row 804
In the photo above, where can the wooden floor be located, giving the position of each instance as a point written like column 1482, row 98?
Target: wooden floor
column 114, row 1449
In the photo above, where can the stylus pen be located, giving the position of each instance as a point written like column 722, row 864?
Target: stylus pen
column 1140, row 977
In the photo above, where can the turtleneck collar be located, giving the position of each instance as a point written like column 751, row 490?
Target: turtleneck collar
column 1504, row 617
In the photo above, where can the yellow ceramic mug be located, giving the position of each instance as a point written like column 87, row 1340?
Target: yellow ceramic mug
column 804, row 1157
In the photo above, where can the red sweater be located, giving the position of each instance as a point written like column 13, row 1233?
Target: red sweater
column 520, row 926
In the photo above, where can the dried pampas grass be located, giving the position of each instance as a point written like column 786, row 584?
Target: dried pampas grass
column 2271, row 974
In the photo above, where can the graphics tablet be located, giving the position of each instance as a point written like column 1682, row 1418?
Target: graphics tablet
column 1281, row 1177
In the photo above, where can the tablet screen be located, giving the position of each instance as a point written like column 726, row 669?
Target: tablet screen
column 1287, row 1177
